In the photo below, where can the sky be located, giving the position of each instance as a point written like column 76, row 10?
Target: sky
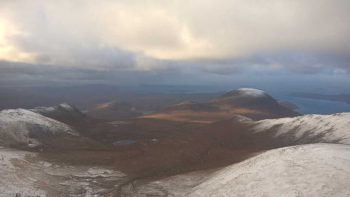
column 260, row 43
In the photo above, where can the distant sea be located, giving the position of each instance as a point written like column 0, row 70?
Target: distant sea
column 316, row 106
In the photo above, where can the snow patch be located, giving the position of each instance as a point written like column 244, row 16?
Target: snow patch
column 67, row 107
column 242, row 119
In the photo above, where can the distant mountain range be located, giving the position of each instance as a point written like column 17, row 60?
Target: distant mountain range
column 114, row 110
column 337, row 97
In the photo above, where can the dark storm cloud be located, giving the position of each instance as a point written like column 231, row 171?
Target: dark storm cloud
column 16, row 71
column 40, row 74
column 297, row 62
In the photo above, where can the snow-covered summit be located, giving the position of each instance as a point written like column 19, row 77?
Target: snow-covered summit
column 251, row 92
column 309, row 128
column 246, row 92
column 24, row 127
column 307, row 170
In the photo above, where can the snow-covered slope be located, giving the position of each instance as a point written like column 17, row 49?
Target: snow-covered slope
column 20, row 127
column 307, row 170
column 308, row 128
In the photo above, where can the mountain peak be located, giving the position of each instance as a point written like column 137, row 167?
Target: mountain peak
column 246, row 92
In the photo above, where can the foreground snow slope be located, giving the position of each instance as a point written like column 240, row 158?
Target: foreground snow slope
column 333, row 128
column 24, row 127
column 306, row 170
column 26, row 174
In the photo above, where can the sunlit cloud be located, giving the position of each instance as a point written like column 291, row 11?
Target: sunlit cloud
column 9, row 51
column 218, row 37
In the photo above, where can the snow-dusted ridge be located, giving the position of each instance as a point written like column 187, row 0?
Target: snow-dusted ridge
column 322, row 128
column 63, row 112
column 62, row 106
column 24, row 127
column 306, row 170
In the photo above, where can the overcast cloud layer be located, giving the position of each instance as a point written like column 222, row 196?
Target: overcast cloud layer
column 102, row 40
